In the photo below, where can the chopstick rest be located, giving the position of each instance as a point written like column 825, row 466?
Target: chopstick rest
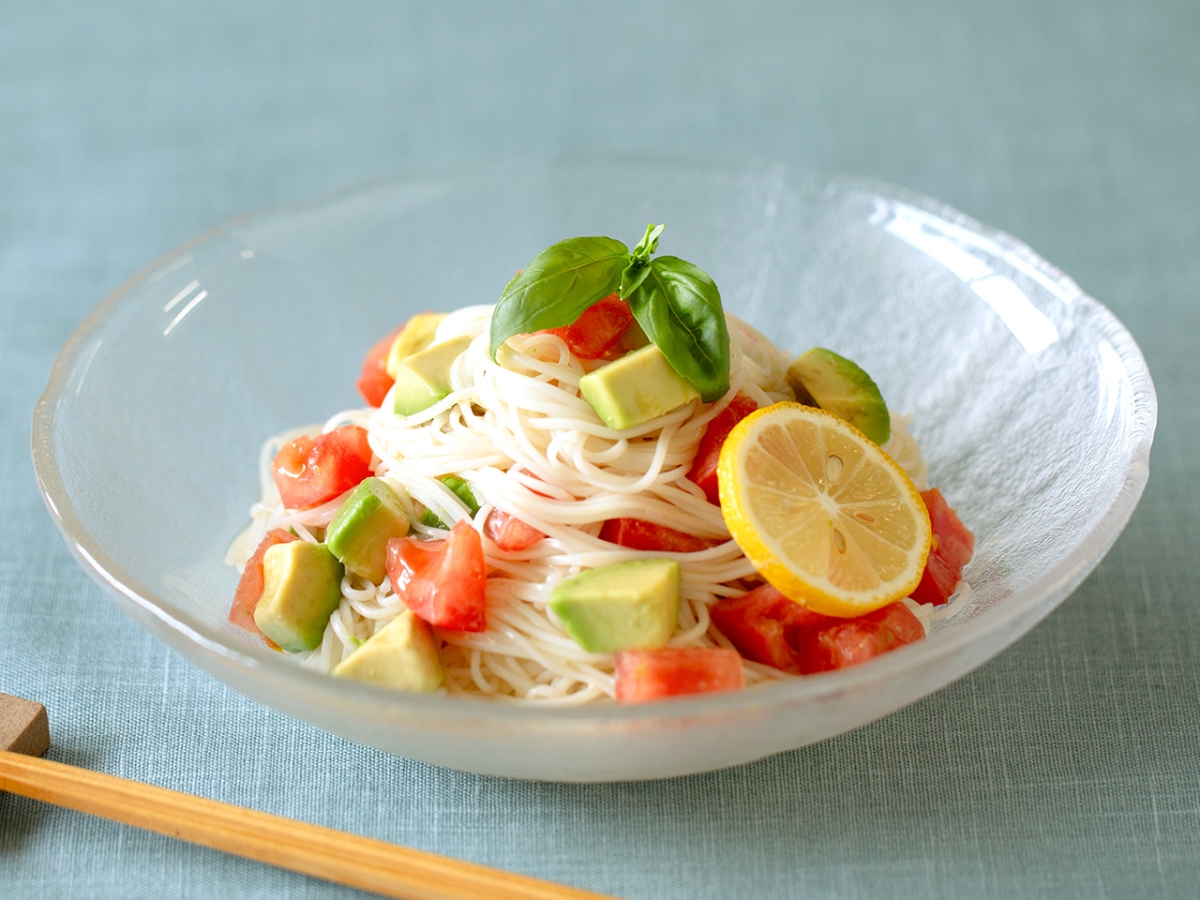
column 336, row 856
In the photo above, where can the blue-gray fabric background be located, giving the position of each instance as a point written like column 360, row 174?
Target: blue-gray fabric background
column 1069, row 766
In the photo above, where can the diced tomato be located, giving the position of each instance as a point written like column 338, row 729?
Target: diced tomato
column 651, row 674
column 443, row 582
column 953, row 545
column 310, row 471
column 250, row 585
column 848, row 642
column 509, row 533
column 638, row 534
column 520, row 470
column 704, row 466
column 599, row 328
column 374, row 382
column 768, row 628
column 764, row 625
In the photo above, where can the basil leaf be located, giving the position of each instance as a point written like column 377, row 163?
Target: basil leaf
column 679, row 308
column 561, row 282
column 632, row 277
column 648, row 244
column 635, row 273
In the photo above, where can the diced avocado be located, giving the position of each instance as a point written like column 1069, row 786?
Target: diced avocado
column 821, row 378
column 423, row 378
column 636, row 388
column 301, row 589
column 416, row 335
column 364, row 523
column 627, row 606
column 401, row 655
column 459, row 489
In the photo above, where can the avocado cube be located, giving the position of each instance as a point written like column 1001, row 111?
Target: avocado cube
column 459, row 489
column 401, row 655
column 416, row 335
column 364, row 523
column 821, row 378
column 302, row 586
column 636, row 388
column 627, row 606
column 423, row 378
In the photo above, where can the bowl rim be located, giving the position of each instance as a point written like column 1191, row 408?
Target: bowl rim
column 1010, row 619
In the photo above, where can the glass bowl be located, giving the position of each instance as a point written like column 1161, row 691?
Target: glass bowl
column 1032, row 403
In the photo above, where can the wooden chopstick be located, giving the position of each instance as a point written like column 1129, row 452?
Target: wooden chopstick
column 321, row 852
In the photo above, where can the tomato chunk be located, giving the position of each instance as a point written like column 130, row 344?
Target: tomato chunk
column 953, row 546
column 374, row 382
column 509, row 533
column 643, row 675
column 444, row 581
column 848, row 642
column 312, row 470
column 704, row 466
column 598, row 329
column 765, row 626
column 250, row 585
column 638, row 534
column 768, row 628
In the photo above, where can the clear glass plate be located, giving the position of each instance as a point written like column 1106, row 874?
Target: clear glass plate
column 1032, row 404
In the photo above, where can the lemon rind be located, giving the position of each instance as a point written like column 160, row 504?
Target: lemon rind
column 817, row 594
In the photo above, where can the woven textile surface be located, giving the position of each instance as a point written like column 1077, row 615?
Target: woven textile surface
column 1068, row 766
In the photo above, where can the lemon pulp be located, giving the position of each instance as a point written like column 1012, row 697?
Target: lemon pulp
column 821, row 511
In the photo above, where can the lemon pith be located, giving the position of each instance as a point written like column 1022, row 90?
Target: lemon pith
column 823, row 513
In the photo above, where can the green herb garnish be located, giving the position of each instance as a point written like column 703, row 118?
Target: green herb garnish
column 675, row 302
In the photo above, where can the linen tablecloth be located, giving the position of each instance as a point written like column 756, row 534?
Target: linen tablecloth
column 1068, row 766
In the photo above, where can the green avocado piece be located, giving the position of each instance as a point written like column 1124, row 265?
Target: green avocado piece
column 364, row 523
column 423, row 378
column 302, row 586
column 416, row 335
column 459, row 489
column 821, row 378
column 636, row 388
column 627, row 606
column 401, row 655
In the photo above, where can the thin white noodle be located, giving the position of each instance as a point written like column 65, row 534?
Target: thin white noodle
column 519, row 433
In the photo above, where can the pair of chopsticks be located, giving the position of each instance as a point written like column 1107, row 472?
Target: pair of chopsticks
column 320, row 852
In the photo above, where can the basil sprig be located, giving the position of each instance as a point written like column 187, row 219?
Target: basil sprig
column 675, row 302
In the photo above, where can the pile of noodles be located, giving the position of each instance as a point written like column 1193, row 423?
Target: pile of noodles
column 518, row 432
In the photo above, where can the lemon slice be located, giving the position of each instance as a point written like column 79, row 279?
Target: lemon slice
column 824, row 514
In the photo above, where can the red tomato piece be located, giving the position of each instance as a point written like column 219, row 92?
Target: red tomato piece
column 374, row 382
column 444, row 581
column 704, row 466
column 310, row 471
column 651, row 674
column 638, row 534
column 598, row 329
column 520, row 470
column 848, row 642
column 768, row 628
column 250, row 585
column 952, row 548
column 509, row 533
column 764, row 625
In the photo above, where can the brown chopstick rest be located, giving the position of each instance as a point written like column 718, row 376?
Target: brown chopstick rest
column 24, row 727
